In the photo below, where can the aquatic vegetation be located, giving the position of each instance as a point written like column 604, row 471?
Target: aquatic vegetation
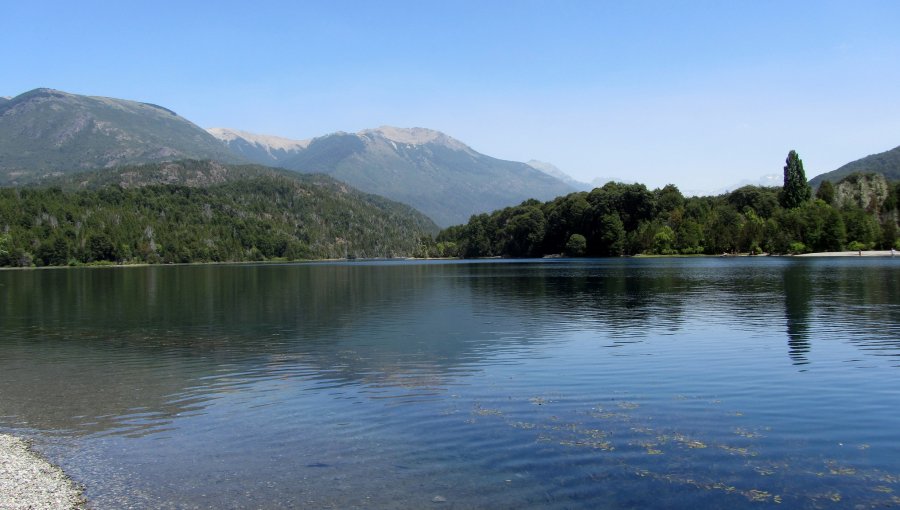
column 747, row 433
column 757, row 495
column 835, row 469
column 483, row 411
column 744, row 452
column 631, row 429
column 598, row 445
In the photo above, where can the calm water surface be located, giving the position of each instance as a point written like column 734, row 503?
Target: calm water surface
column 668, row 383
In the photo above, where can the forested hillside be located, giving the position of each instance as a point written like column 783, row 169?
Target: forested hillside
column 885, row 163
column 627, row 219
column 200, row 212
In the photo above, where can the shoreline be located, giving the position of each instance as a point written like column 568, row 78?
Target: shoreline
column 864, row 253
column 28, row 480
column 846, row 253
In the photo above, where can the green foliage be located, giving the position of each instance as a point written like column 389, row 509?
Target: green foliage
column 763, row 201
column 796, row 190
column 610, row 237
column 244, row 217
column 5, row 244
column 825, row 192
column 664, row 241
column 797, row 248
column 523, row 232
column 861, row 227
column 626, row 219
column 576, row 246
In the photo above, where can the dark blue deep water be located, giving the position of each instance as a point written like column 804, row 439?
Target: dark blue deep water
column 626, row 383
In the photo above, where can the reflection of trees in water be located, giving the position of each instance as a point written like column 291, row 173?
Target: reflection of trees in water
column 153, row 341
column 848, row 300
column 797, row 308
column 614, row 301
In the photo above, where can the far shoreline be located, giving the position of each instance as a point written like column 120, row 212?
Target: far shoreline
column 845, row 253
column 848, row 253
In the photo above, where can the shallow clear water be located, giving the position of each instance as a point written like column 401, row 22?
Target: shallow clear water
column 669, row 383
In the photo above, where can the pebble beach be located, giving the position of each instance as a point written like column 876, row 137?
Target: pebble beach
column 28, row 481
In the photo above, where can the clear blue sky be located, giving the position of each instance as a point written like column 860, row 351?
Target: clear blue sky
column 702, row 94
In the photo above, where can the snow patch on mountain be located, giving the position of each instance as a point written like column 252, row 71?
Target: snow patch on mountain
column 267, row 141
column 414, row 136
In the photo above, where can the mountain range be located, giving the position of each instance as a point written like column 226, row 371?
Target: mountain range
column 429, row 170
column 47, row 131
column 259, row 149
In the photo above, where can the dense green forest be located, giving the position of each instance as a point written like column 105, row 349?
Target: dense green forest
column 201, row 211
column 859, row 212
column 243, row 214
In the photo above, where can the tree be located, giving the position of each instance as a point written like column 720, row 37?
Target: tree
column 796, row 190
column 576, row 246
column 100, row 247
column 826, row 192
column 5, row 247
column 524, row 232
column 664, row 241
column 611, row 238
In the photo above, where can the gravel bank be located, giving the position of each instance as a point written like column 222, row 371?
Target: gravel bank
column 864, row 253
column 27, row 481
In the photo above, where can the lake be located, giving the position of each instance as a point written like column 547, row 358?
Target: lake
column 619, row 383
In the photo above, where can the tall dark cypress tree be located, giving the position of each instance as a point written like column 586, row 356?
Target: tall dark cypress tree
column 796, row 190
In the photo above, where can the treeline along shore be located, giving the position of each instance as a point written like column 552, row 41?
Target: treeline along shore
column 196, row 211
column 859, row 212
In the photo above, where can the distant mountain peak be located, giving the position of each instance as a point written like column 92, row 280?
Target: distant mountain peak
column 414, row 136
column 552, row 170
column 275, row 142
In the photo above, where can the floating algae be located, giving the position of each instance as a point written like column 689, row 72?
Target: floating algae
column 749, row 434
column 678, row 457
column 757, row 495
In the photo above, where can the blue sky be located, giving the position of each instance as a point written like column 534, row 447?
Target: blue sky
column 702, row 94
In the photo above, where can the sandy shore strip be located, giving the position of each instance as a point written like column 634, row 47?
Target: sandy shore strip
column 864, row 253
column 28, row 481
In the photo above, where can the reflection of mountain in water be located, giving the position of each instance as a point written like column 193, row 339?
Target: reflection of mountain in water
column 127, row 349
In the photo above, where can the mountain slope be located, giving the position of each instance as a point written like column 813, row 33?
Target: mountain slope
column 553, row 170
column 192, row 211
column 260, row 149
column 886, row 163
column 436, row 174
column 48, row 131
